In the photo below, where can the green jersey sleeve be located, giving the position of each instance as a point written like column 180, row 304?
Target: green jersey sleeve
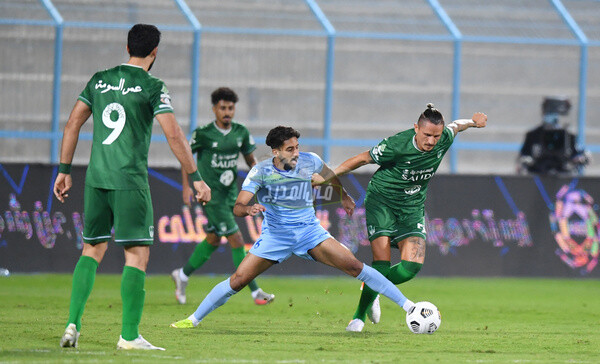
column 383, row 153
column 160, row 99
column 196, row 141
column 87, row 95
column 449, row 137
column 248, row 144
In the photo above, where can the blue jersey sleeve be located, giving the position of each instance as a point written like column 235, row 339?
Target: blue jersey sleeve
column 253, row 181
column 318, row 162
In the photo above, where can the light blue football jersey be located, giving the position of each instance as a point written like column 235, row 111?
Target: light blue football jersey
column 287, row 195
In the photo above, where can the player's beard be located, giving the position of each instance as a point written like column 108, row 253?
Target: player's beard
column 151, row 64
column 226, row 122
column 287, row 164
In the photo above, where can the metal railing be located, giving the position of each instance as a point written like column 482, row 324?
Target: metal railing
column 327, row 22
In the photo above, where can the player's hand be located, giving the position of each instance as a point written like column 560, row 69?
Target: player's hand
column 480, row 119
column 255, row 209
column 348, row 204
column 316, row 180
column 202, row 191
column 188, row 195
column 62, row 185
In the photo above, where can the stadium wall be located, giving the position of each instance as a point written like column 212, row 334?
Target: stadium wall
column 477, row 226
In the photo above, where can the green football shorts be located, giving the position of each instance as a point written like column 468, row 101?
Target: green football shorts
column 396, row 223
column 221, row 220
column 128, row 211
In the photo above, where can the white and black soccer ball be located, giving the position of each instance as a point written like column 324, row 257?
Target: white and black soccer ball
column 423, row 318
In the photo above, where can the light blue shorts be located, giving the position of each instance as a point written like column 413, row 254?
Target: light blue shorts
column 278, row 244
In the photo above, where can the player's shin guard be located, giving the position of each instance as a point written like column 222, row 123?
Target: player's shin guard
column 238, row 254
column 214, row 299
column 133, row 296
column 368, row 295
column 380, row 284
column 404, row 271
column 201, row 254
column 84, row 276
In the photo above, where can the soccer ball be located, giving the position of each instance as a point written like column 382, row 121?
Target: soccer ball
column 423, row 318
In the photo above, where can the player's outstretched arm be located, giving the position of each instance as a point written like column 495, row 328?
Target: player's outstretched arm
column 79, row 115
column 330, row 178
column 353, row 163
column 241, row 207
column 182, row 151
column 479, row 120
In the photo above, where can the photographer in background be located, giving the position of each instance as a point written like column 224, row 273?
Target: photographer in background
column 550, row 148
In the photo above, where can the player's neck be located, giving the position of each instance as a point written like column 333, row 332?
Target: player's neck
column 141, row 62
column 278, row 164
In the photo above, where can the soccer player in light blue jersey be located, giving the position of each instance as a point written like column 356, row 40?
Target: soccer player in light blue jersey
column 283, row 189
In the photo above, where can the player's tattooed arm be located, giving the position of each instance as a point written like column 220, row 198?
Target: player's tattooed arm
column 330, row 178
column 479, row 120
column 353, row 163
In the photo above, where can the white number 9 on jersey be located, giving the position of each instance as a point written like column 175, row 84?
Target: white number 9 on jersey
column 116, row 125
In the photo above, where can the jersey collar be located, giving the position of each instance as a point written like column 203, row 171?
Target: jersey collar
column 131, row 65
column 281, row 170
column 414, row 143
column 223, row 131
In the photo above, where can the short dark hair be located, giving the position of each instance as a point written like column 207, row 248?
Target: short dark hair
column 431, row 114
column 223, row 93
column 278, row 135
column 142, row 39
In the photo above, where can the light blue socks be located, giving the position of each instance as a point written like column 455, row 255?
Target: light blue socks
column 213, row 300
column 379, row 283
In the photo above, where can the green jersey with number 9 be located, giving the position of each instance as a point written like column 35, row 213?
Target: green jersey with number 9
column 124, row 101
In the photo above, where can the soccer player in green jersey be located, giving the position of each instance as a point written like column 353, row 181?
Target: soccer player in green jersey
column 218, row 146
column 395, row 201
column 123, row 100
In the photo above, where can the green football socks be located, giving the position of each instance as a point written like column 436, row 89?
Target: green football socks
column 368, row 295
column 133, row 296
column 84, row 276
column 404, row 271
column 201, row 254
column 238, row 254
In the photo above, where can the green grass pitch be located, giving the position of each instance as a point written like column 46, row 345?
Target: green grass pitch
column 483, row 321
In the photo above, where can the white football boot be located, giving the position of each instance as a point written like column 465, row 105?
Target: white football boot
column 70, row 337
column 262, row 298
column 137, row 344
column 179, row 286
column 356, row 325
column 374, row 313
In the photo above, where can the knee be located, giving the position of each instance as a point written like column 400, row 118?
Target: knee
column 238, row 281
column 354, row 268
column 137, row 257
column 236, row 240
column 95, row 251
column 213, row 239
column 404, row 271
